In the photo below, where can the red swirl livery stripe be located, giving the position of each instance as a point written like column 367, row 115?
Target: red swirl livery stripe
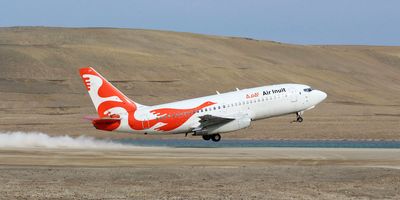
column 107, row 99
column 176, row 118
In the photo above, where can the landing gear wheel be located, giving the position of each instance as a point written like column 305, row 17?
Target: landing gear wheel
column 216, row 137
column 299, row 119
column 206, row 137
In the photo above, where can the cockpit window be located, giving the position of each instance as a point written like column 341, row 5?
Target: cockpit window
column 307, row 90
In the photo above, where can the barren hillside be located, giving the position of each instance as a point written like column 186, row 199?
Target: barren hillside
column 40, row 89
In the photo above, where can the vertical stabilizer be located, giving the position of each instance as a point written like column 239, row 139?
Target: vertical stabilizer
column 106, row 98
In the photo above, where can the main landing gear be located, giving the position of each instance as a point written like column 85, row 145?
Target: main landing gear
column 299, row 118
column 214, row 137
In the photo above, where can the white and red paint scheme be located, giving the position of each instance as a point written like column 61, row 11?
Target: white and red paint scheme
column 206, row 116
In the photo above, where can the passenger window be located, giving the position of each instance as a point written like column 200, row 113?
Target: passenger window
column 219, row 107
column 214, row 108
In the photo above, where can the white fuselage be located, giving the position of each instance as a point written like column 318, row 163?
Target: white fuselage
column 242, row 105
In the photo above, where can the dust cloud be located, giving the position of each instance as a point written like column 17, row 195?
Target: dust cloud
column 42, row 140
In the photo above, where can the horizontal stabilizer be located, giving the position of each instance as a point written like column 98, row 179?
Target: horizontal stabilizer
column 106, row 123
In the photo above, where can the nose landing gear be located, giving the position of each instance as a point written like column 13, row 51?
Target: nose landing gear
column 298, row 117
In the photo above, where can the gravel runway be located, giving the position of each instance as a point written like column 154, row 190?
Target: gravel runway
column 204, row 173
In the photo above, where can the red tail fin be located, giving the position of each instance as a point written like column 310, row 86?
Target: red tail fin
column 107, row 99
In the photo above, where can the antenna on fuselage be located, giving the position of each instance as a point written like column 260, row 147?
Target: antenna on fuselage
column 237, row 89
column 217, row 92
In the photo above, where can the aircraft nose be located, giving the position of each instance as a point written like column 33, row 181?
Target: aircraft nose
column 321, row 95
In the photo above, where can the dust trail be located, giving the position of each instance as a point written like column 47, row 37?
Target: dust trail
column 42, row 140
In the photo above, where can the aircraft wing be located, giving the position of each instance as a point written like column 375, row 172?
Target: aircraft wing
column 212, row 125
column 210, row 120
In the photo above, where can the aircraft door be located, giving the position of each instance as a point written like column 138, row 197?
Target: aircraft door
column 293, row 95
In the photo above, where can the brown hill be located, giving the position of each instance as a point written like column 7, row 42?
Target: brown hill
column 40, row 89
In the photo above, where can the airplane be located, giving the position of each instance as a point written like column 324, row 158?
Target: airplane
column 207, row 116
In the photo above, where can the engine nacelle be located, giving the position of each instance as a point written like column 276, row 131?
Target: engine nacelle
column 201, row 132
column 234, row 125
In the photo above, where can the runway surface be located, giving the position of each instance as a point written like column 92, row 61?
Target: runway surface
column 235, row 143
column 156, row 156
column 199, row 173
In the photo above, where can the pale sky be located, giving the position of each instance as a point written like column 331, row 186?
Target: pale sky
column 370, row 22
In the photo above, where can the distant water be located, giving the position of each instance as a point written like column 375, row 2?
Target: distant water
column 262, row 143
